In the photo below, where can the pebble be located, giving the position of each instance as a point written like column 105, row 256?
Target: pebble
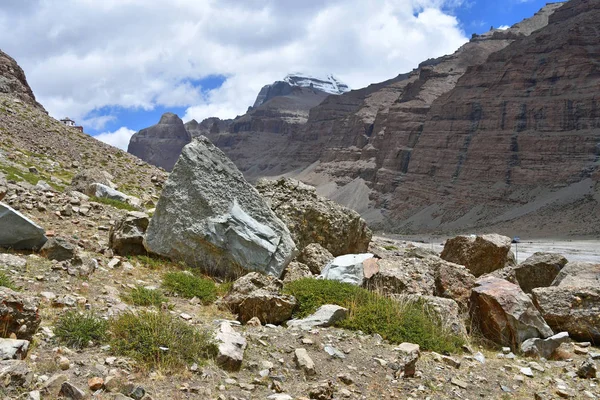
column 64, row 363
column 527, row 372
column 459, row 383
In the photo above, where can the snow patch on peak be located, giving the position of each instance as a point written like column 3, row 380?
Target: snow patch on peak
column 329, row 84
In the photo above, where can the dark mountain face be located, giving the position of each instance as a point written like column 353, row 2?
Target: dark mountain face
column 162, row 143
column 13, row 81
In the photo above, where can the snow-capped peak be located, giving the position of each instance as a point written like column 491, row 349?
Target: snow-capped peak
column 330, row 84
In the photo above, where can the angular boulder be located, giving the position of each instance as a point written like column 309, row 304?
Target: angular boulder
column 15, row 373
column 105, row 192
column 162, row 143
column 19, row 314
column 578, row 274
column 315, row 219
column 59, row 249
column 325, row 316
column 539, row 270
column 13, row 349
column 126, row 236
column 19, row 232
column 401, row 275
column 505, row 314
column 84, row 178
column 480, row 254
column 296, row 271
column 572, row 309
column 209, row 217
column 315, row 257
column 349, row 268
column 537, row 347
column 453, row 281
column 258, row 295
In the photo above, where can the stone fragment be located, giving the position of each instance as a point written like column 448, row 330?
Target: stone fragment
column 480, row 254
column 105, row 192
column 211, row 218
column 408, row 355
column 326, row 315
column 322, row 391
column 85, row 177
column 460, row 383
column 504, row 314
column 304, row 362
column 587, row 369
column 231, row 347
column 126, row 236
column 315, row 257
column 19, row 314
column 15, row 373
column 53, row 385
column 71, row 391
column 296, row 271
column 348, row 268
column 59, row 249
column 401, row 275
column 19, row 232
column 315, row 219
column 536, row 347
column 13, row 349
column 539, row 270
column 95, row 383
column 453, row 281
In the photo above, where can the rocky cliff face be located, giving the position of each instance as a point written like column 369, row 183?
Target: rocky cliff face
column 13, row 81
column 162, row 143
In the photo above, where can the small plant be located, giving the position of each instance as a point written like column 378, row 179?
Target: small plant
column 390, row 248
column 410, row 321
column 141, row 296
column 188, row 285
column 224, row 288
column 152, row 263
column 114, row 203
column 77, row 329
column 6, row 281
column 159, row 340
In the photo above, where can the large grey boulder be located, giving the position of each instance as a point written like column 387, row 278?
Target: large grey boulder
column 126, row 236
column 578, row 274
column 349, row 268
column 211, row 218
column 505, row 314
column 480, row 254
column 84, row 178
column 19, row 232
column 162, row 143
column 315, row 219
column 539, row 270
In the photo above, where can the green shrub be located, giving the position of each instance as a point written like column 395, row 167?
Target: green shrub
column 313, row 293
column 77, row 329
column 373, row 313
column 6, row 281
column 188, row 285
column 152, row 262
column 114, row 203
column 141, row 296
column 390, row 248
column 159, row 340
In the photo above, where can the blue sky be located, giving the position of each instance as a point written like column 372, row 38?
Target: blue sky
column 116, row 66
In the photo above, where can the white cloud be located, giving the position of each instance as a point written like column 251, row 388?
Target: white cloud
column 84, row 55
column 119, row 138
column 503, row 27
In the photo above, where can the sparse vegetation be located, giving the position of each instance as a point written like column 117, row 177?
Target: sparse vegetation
column 188, row 285
column 76, row 329
column 153, row 263
column 6, row 281
column 373, row 313
column 17, row 175
column 141, row 296
column 390, row 248
column 159, row 340
column 114, row 203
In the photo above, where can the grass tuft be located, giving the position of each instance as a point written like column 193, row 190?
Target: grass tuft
column 159, row 340
column 77, row 329
column 188, row 285
column 373, row 313
column 6, row 281
column 121, row 205
column 141, row 296
column 153, row 263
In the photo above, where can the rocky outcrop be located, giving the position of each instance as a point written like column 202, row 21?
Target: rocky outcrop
column 480, row 254
column 126, row 237
column 162, row 143
column 86, row 177
column 211, row 218
column 314, row 219
column 539, row 270
column 315, row 257
column 13, row 81
column 19, row 232
column 505, row 314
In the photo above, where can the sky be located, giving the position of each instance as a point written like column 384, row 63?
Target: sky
column 115, row 66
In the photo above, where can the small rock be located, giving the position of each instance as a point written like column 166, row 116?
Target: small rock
column 453, row 362
column 71, row 391
column 254, row 321
column 64, row 363
column 527, row 372
column 304, row 362
column 95, row 383
column 408, row 355
column 587, row 370
column 459, row 383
